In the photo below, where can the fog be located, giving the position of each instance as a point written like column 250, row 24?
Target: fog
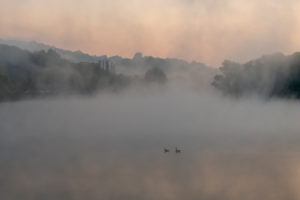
column 111, row 147
column 76, row 126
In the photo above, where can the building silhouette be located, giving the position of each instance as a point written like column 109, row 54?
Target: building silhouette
column 106, row 65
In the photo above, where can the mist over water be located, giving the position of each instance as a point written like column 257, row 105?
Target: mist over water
column 111, row 147
column 75, row 126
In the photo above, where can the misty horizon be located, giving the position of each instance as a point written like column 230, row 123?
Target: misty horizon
column 203, row 30
column 146, row 100
column 34, row 46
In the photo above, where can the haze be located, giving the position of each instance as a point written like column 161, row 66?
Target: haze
column 74, row 126
column 202, row 30
column 111, row 147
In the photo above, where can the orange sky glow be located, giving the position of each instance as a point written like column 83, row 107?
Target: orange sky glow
column 208, row 31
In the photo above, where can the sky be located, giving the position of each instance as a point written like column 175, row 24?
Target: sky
column 208, row 31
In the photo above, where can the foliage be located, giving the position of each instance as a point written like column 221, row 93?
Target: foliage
column 155, row 75
column 24, row 74
column 269, row 76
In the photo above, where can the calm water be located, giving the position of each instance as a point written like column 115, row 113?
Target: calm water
column 111, row 147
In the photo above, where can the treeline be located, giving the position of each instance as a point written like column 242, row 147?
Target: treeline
column 274, row 75
column 194, row 74
column 25, row 74
column 138, row 62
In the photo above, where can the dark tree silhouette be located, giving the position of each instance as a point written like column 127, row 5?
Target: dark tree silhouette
column 155, row 75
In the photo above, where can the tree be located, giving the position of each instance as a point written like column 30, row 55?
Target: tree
column 155, row 75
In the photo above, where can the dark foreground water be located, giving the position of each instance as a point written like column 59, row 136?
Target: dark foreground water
column 111, row 147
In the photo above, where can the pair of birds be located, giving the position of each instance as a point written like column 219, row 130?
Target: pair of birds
column 176, row 150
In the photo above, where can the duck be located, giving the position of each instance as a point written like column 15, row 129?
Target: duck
column 166, row 150
column 177, row 150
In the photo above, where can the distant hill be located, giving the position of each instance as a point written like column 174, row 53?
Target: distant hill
column 73, row 56
column 137, row 65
